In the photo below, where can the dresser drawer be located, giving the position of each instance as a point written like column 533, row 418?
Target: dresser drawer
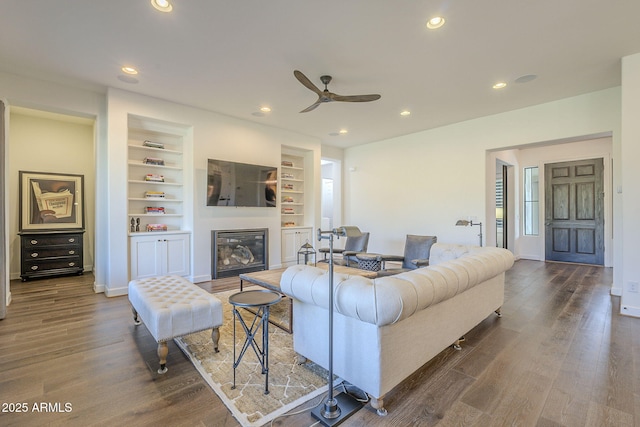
column 52, row 264
column 52, row 251
column 44, row 240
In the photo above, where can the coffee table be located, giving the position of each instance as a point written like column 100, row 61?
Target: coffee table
column 270, row 279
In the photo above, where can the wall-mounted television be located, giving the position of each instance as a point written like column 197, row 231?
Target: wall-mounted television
column 241, row 184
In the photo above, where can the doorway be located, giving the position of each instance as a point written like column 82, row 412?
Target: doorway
column 331, row 200
column 574, row 211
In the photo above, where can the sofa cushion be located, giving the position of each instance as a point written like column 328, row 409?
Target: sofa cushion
column 387, row 300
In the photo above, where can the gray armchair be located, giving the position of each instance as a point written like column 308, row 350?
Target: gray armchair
column 416, row 255
column 354, row 245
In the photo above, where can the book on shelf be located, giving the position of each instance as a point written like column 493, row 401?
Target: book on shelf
column 287, row 175
column 154, row 178
column 156, row 227
column 287, row 163
column 153, row 161
column 288, row 186
column 154, row 210
column 287, row 199
column 289, row 224
column 154, row 194
column 153, row 144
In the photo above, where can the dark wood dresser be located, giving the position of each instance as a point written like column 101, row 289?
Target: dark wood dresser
column 50, row 253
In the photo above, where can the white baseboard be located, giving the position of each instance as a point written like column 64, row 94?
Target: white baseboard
column 116, row 292
column 616, row 291
column 627, row 310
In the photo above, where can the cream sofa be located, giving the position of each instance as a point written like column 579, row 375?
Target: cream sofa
column 387, row 328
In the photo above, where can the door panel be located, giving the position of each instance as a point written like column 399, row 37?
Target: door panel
column 574, row 226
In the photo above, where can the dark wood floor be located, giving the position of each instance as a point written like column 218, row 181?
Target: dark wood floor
column 560, row 356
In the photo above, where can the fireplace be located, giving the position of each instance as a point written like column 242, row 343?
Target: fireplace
column 234, row 252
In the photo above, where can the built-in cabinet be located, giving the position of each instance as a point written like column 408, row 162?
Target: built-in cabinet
column 158, row 254
column 159, row 243
column 292, row 240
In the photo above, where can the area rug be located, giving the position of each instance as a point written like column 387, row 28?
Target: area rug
column 290, row 384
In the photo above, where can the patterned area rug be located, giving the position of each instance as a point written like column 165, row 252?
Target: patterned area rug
column 290, row 384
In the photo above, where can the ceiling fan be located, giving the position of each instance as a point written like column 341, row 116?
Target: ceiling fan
column 325, row 95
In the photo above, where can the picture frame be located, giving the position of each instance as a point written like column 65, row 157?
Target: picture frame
column 51, row 201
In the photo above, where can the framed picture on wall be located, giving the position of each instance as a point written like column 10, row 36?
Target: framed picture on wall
column 51, row 201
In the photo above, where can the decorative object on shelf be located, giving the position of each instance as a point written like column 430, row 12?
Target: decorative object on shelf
column 289, row 224
column 133, row 225
column 287, row 175
column 154, row 210
column 464, row 223
column 154, row 194
column 307, row 251
column 156, row 227
column 331, row 413
column 287, row 163
column 51, row 201
column 137, row 224
column 287, row 199
column 287, row 186
column 288, row 211
column 153, row 144
column 154, row 178
column 153, row 161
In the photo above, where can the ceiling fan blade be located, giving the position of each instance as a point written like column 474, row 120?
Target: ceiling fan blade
column 306, row 82
column 311, row 107
column 355, row 98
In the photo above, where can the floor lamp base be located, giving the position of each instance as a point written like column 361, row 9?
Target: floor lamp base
column 347, row 406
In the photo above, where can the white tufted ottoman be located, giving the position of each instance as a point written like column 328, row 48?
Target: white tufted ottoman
column 170, row 307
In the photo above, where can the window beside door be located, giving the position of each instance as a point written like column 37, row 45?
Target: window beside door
column 531, row 202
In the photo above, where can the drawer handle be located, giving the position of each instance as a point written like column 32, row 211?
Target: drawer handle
column 71, row 264
column 72, row 252
column 34, row 242
column 34, row 267
column 34, row 255
column 72, row 239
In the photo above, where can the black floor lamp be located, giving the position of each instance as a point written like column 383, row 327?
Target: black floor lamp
column 337, row 408
column 464, row 223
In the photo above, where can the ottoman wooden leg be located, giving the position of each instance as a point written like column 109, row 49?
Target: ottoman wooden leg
column 163, row 351
column 215, row 338
column 136, row 319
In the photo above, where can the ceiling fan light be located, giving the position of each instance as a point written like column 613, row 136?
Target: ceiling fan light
column 500, row 85
column 162, row 5
column 265, row 109
column 405, row 113
column 435, row 22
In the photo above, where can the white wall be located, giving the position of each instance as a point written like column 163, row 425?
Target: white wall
column 630, row 303
column 56, row 144
column 422, row 183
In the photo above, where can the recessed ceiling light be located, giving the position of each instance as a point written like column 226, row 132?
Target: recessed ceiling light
column 343, row 131
column 405, row 113
column 500, row 85
column 162, row 5
column 129, row 70
column 265, row 109
column 435, row 22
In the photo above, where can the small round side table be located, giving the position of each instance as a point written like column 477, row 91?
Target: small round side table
column 258, row 302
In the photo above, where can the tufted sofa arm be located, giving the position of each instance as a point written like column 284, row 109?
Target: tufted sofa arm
column 385, row 300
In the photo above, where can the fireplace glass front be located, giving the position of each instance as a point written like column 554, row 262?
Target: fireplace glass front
column 238, row 251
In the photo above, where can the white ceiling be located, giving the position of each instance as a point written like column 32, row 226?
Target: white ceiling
column 232, row 57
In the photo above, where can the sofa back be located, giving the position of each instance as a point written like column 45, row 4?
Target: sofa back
column 387, row 300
